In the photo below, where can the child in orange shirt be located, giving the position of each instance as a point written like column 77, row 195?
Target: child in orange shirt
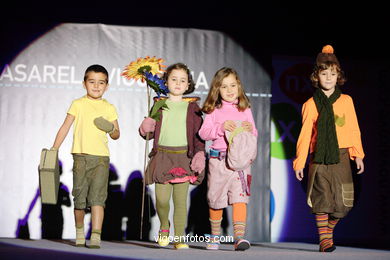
column 330, row 131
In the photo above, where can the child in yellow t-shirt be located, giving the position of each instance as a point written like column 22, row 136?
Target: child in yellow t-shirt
column 93, row 118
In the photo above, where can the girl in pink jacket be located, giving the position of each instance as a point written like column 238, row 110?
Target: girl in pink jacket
column 228, row 112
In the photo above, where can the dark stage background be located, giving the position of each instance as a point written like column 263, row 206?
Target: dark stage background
column 284, row 32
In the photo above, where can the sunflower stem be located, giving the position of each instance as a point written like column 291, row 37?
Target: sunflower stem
column 145, row 165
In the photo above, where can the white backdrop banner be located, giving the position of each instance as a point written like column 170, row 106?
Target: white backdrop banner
column 38, row 86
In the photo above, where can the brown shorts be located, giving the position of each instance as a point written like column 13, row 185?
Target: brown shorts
column 332, row 188
column 90, row 180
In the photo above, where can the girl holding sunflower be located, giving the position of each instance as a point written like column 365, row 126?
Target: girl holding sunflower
column 177, row 156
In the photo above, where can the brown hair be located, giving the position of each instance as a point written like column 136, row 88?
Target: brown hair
column 214, row 99
column 181, row 66
column 326, row 59
column 341, row 79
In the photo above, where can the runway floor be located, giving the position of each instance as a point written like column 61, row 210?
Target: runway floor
column 11, row 248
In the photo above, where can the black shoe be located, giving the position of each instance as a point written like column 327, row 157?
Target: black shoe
column 241, row 245
column 330, row 249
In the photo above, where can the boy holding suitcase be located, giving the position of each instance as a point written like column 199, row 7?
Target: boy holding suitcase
column 93, row 118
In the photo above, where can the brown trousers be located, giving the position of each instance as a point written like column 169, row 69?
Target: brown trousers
column 330, row 187
column 90, row 180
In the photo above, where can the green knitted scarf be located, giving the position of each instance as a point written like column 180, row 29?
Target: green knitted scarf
column 327, row 147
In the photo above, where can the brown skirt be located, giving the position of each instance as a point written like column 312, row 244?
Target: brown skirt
column 170, row 165
column 330, row 187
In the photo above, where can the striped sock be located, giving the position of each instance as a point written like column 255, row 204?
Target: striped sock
column 323, row 232
column 331, row 224
column 239, row 230
column 215, row 227
column 80, row 236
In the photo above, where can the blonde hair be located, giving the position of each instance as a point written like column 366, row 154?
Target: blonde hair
column 214, row 99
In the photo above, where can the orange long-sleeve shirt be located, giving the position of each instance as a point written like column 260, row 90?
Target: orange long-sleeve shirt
column 347, row 130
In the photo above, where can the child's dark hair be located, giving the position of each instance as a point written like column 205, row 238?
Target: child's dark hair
column 96, row 68
column 181, row 66
column 341, row 79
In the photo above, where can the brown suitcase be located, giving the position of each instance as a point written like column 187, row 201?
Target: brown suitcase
column 49, row 176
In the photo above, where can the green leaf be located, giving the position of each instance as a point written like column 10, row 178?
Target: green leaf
column 156, row 116
column 155, row 113
column 153, row 85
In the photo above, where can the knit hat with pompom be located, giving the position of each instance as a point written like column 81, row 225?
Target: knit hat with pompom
column 327, row 55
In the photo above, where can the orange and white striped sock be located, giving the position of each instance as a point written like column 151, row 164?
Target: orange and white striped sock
column 215, row 221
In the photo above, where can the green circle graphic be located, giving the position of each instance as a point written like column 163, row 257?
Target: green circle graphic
column 287, row 122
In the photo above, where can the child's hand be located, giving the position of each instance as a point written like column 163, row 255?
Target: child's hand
column 359, row 165
column 229, row 125
column 247, row 126
column 104, row 124
column 198, row 162
column 299, row 174
column 148, row 125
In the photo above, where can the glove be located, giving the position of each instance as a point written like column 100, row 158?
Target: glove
column 199, row 180
column 148, row 125
column 198, row 162
column 104, row 125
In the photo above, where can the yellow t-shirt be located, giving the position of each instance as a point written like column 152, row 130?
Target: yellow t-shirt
column 87, row 138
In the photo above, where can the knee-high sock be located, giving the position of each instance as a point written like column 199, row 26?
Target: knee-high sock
column 239, row 220
column 322, row 227
column 180, row 192
column 332, row 222
column 215, row 221
column 239, row 212
column 163, row 196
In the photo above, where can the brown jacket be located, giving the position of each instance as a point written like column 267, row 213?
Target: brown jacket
column 194, row 122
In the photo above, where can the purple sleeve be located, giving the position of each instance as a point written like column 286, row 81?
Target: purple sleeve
column 199, row 144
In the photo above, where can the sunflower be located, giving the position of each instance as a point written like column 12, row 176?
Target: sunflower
column 156, row 83
column 136, row 69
